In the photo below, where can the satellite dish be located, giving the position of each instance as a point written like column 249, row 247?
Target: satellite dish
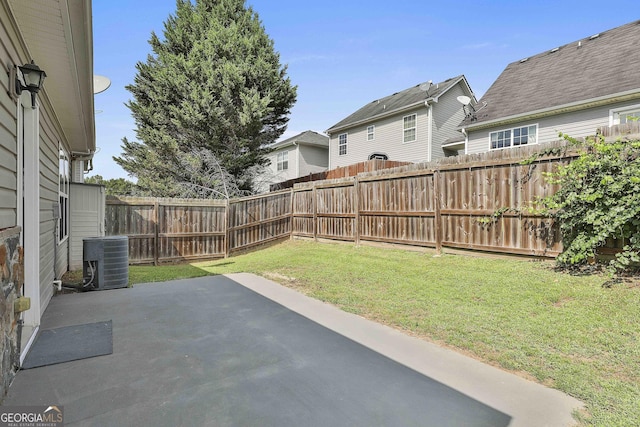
column 464, row 100
column 425, row 86
column 100, row 83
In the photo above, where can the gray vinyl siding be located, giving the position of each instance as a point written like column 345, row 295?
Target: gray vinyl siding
column 303, row 160
column 9, row 53
column 447, row 116
column 388, row 138
column 8, row 129
column 577, row 124
column 49, row 199
column 292, row 159
column 313, row 159
column 273, row 175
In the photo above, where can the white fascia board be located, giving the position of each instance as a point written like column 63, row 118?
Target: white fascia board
column 550, row 111
column 379, row 116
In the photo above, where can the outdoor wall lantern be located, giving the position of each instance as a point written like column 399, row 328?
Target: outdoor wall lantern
column 33, row 78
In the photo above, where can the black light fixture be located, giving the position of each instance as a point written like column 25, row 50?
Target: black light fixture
column 33, row 78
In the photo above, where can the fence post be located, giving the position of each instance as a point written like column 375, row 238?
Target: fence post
column 156, row 232
column 437, row 222
column 356, row 208
column 291, row 216
column 227, row 231
column 314, row 203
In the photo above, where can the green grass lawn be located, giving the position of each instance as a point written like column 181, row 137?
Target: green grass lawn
column 567, row 332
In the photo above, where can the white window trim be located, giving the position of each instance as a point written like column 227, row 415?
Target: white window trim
column 616, row 111
column 415, row 127
column 372, row 133
column 63, row 192
column 281, row 158
column 346, row 144
column 512, row 129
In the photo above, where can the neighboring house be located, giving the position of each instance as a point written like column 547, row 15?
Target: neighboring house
column 45, row 139
column 573, row 89
column 411, row 125
column 300, row 155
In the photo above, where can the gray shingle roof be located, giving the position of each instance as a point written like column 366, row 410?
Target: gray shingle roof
column 308, row 137
column 591, row 68
column 397, row 101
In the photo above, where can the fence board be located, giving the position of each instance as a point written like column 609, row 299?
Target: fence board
column 259, row 219
column 478, row 202
column 167, row 230
column 457, row 203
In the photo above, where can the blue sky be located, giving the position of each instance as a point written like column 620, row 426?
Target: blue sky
column 344, row 54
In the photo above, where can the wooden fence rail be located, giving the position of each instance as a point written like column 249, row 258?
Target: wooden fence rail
column 477, row 202
column 167, row 230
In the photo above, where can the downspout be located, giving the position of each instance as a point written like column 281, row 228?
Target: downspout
column 466, row 139
column 329, row 158
column 78, row 155
column 297, row 148
column 429, row 130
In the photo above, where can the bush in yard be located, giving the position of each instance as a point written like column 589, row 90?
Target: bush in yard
column 599, row 200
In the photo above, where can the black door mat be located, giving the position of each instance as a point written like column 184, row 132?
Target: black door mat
column 69, row 343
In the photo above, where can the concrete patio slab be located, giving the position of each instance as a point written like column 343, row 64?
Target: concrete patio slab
column 242, row 350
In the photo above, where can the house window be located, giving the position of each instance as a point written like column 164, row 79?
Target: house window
column 342, row 144
column 625, row 116
column 409, row 127
column 370, row 132
column 514, row 137
column 64, row 172
column 283, row 161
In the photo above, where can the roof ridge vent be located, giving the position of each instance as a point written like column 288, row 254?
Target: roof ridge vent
column 555, row 49
column 595, row 36
column 524, row 60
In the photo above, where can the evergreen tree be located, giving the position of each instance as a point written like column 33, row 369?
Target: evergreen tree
column 114, row 186
column 214, row 85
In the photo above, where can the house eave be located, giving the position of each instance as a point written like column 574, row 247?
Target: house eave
column 426, row 102
column 551, row 111
column 58, row 36
column 458, row 145
column 377, row 117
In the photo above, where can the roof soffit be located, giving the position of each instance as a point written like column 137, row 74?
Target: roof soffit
column 59, row 38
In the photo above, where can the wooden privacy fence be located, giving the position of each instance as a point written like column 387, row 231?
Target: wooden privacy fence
column 165, row 230
column 477, row 202
column 341, row 172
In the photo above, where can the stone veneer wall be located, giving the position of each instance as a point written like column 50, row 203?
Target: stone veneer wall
column 11, row 280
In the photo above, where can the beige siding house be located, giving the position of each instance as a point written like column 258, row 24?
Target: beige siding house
column 300, row 155
column 413, row 125
column 41, row 137
column 572, row 89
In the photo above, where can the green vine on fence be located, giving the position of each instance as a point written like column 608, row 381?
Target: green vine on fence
column 598, row 201
column 493, row 218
